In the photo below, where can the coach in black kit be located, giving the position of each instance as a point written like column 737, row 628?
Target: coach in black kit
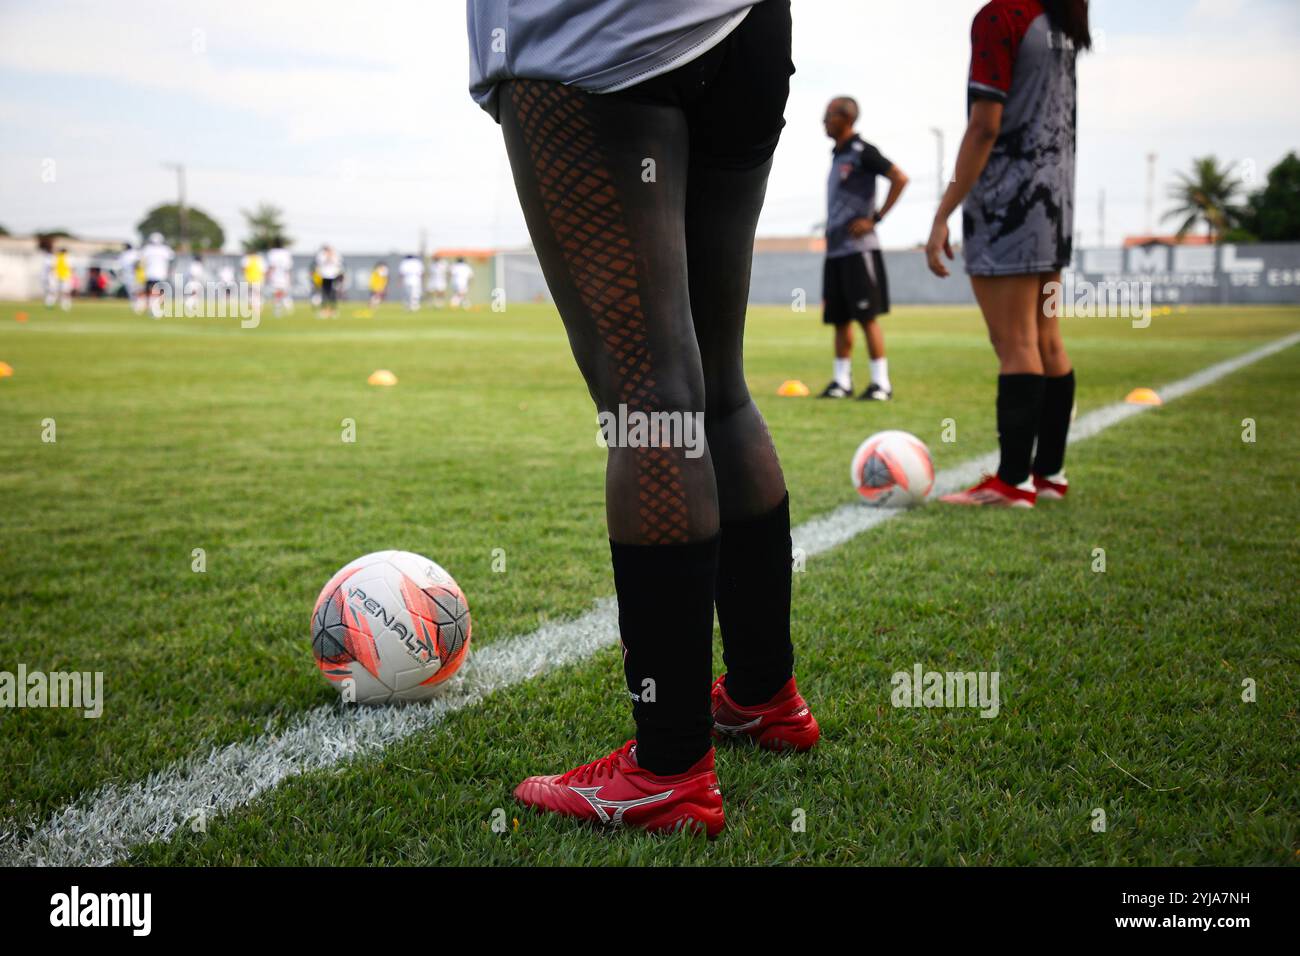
column 854, row 285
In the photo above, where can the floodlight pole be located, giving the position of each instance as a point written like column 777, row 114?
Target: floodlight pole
column 1151, row 193
column 942, row 186
column 1101, row 220
column 182, row 214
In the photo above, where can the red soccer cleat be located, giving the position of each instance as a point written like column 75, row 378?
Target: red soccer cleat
column 1053, row 487
column 993, row 491
column 614, row 791
column 784, row 723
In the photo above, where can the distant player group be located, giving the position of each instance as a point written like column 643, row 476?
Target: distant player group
column 143, row 273
column 412, row 272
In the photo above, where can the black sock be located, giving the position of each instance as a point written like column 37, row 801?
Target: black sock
column 1054, row 424
column 665, row 619
column 753, row 598
column 1020, row 402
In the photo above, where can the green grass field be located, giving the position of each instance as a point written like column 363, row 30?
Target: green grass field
column 1120, row 691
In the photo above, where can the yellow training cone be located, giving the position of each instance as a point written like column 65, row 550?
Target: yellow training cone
column 382, row 377
column 6, row 370
column 793, row 388
column 1143, row 396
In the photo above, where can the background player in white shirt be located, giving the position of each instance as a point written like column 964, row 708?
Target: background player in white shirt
column 280, row 264
column 412, row 272
column 438, row 281
column 157, row 257
column 126, row 260
column 329, row 266
column 461, row 274
column 195, row 276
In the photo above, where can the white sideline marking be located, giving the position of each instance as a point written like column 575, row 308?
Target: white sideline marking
column 100, row 829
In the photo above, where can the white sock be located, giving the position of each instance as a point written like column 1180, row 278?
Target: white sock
column 880, row 372
column 844, row 372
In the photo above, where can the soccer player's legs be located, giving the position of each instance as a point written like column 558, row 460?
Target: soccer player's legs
column 836, row 313
column 867, row 290
column 609, row 247
column 1058, row 399
column 1011, row 308
column 735, row 125
column 754, row 573
column 329, row 297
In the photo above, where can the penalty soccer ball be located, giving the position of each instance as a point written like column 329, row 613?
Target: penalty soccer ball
column 892, row 469
column 390, row 626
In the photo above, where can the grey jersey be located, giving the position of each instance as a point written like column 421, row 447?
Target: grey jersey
column 1019, row 218
column 597, row 45
column 851, row 194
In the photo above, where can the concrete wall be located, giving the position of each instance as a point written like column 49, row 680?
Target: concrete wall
column 1267, row 273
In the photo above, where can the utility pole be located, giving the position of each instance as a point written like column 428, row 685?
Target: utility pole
column 1151, row 194
column 942, row 185
column 1101, row 220
column 182, row 214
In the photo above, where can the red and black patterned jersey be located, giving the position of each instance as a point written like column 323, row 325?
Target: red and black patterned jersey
column 1019, row 218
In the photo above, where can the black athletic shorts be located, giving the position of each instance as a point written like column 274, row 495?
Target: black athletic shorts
column 329, row 289
column 153, row 285
column 734, row 95
column 855, row 288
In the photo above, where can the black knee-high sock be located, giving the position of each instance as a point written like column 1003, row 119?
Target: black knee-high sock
column 665, row 619
column 1020, row 402
column 753, row 598
column 1054, row 424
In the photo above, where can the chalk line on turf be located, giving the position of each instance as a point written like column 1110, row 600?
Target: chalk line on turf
column 100, row 829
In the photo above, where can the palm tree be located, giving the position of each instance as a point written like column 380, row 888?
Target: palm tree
column 266, row 229
column 1208, row 195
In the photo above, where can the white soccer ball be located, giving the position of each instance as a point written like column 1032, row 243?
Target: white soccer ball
column 390, row 626
column 892, row 469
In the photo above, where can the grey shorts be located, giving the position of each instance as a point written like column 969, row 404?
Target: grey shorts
column 1017, row 224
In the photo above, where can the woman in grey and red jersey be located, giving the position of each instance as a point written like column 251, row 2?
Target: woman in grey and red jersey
column 640, row 136
column 1015, row 173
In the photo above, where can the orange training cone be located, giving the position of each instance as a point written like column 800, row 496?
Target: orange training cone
column 1143, row 396
column 381, row 377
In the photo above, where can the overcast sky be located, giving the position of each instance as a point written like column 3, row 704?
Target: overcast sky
column 355, row 117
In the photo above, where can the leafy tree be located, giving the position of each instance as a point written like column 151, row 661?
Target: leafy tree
column 266, row 228
column 3, row 231
column 1272, row 214
column 1206, row 195
column 202, row 233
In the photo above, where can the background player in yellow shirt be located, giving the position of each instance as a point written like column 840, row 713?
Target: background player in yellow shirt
column 59, row 285
column 378, row 284
column 254, row 266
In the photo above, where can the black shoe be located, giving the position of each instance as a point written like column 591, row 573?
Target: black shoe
column 875, row 393
column 836, row 390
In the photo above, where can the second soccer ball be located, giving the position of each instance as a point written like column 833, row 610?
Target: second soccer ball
column 892, row 469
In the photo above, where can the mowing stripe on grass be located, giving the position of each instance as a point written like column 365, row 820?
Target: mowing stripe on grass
column 101, row 828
